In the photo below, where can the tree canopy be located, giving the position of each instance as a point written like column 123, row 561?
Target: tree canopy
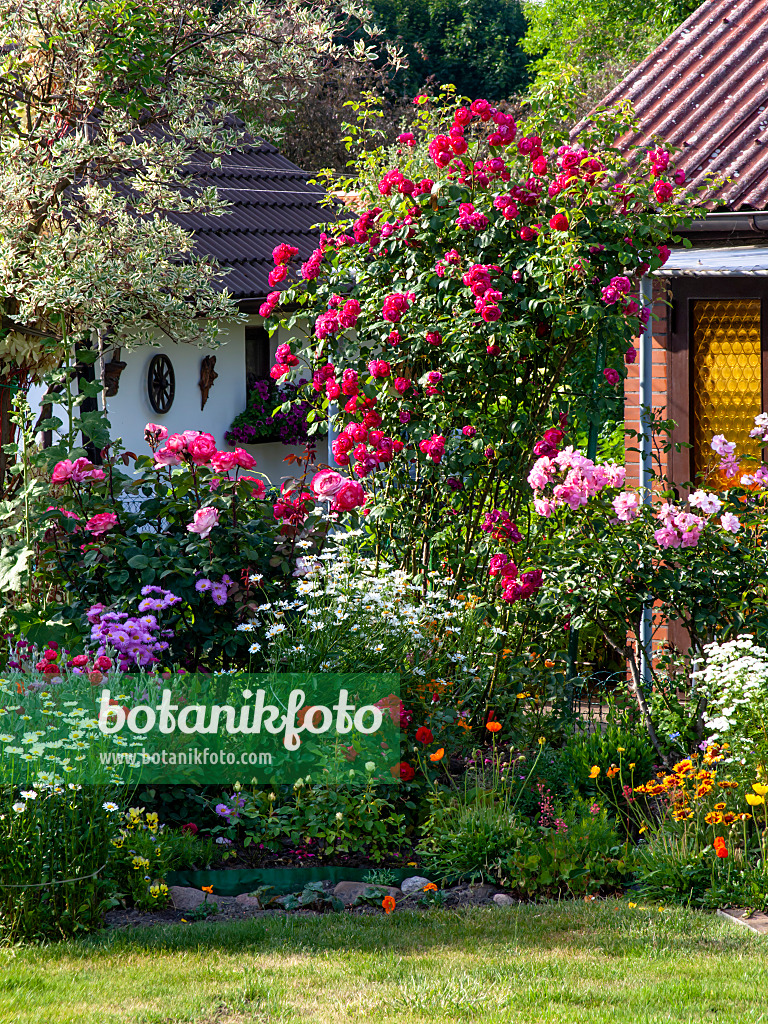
column 102, row 104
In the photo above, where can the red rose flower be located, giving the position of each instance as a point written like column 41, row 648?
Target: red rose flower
column 424, row 735
column 402, row 770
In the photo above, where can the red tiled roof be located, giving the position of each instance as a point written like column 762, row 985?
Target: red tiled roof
column 705, row 90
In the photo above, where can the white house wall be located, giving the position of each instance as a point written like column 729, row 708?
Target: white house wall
column 130, row 410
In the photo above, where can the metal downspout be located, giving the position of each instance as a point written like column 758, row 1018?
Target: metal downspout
column 646, row 403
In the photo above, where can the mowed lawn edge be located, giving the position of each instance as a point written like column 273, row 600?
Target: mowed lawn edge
column 565, row 963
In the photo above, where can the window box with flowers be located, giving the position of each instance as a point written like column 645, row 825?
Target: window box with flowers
column 259, row 423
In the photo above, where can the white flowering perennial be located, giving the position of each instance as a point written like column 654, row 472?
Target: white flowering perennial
column 735, row 681
column 350, row 614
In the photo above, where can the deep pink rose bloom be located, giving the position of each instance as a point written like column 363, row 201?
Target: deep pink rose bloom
column 326, row 484
column 559, row 222
column 222, row 462
column 244, row 459
column 630, row 356
column 611, row 375
column 202, row 447
column 62, row 472
column 469, row 430
column 176, row 443
column 663, row 191
column 82, row 470
column 350, row 495
column 204, row 521
column 258, row 487
column 101, row 523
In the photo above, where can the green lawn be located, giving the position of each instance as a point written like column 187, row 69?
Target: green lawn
column 568, row 964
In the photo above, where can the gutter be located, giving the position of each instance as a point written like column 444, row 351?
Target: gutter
column 753, row 221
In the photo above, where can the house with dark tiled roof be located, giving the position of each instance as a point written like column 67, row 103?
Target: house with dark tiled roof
column 271, row 201
column 704, row 363
column 704, row 356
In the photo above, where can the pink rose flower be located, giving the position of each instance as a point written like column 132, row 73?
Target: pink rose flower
column 166, row 457
column 101, row 523
column 326, row 484
column 204, row 521
column 611, row 375
column 62, row 472
column 222, row 462
column 202, row 447
column 244, row 459
column 350, row 495
column 626, row 506
column 730, row 522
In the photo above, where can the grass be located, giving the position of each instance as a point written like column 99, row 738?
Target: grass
column 575, row 963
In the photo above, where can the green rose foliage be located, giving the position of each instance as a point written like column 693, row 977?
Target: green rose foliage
column 103, row 536
column 466, row 289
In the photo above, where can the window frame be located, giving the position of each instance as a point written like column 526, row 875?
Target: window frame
column 684, row 292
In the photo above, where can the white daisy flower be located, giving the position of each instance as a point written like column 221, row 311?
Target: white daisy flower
column 254, row 648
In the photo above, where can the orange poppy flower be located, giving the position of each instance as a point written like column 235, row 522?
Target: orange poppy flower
column 207, row 888
column 389, row 904
column 493, row 726
column 438, row 755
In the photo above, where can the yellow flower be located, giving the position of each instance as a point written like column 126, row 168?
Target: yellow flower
column 542, row 740
column 661, row 910
column 632, row 906
column 621, row 750
column 632, row 765
column 754, row 801
column 411, row 863
column 720, row 807
column 760, row 788
column 595, row 771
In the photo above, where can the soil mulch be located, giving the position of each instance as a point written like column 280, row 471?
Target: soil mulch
column 230, row 908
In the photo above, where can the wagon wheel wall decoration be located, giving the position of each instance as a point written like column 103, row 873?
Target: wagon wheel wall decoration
column 161, row 383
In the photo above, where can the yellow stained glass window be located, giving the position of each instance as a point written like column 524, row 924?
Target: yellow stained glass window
column 727, row 378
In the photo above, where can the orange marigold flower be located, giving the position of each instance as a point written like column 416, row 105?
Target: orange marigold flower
column 683, row 767
column 389, row 904
column 493, row 726
column 702, row 790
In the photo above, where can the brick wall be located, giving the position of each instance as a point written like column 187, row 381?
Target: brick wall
column 632, row 382
column 663, row 633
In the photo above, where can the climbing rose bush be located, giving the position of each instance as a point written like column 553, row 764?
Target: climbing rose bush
column 459, row 310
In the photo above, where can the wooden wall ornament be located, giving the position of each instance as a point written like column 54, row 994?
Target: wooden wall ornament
column 112, row 371
column 207, row 376
column 161, row 383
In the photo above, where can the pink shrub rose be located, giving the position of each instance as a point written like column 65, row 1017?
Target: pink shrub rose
column 101, row 523
column 326, row 484
column 204, row 521
column 349, row 496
